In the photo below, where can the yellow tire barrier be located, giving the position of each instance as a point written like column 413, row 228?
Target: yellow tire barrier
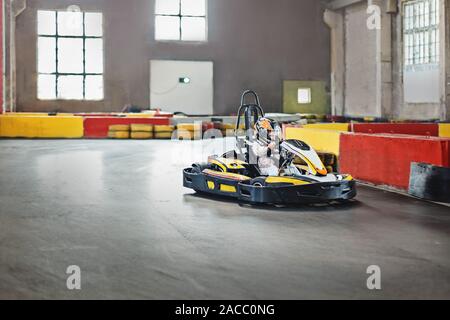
column 163, row 132
column 164, row 129
column 444, row 130
column 189, row 127
column 227, row 126
column 231, row 126
column 140, row 115
column 41, row 127
column 163, row 135
column 320, row 140
column 119, row 127
column 119, row 134
column 36, row 114
column 344, row 127
column 229, row 129
column 188, row 135
column 141, row 135
column 184, row 135
column 142, row 128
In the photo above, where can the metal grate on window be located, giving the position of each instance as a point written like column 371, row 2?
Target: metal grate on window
column 70, row 55
column 421, row 32
column 180, row 20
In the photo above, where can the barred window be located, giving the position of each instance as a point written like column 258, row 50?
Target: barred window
column 421, row 32
column 70, row 55
column 180, row 20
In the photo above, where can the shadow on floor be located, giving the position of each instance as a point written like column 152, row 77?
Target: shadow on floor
column 319, row 207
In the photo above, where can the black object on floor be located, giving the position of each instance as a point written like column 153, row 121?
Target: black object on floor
column 430, row 182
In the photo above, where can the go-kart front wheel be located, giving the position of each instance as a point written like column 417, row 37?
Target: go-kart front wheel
column 199, row 167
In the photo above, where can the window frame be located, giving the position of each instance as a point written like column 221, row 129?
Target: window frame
column 433, row 60
column 180, row 16
column 57, row 74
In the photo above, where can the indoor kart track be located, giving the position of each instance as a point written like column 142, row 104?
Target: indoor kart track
column 118, row 210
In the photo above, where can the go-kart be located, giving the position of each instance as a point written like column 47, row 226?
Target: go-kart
column 302, row 176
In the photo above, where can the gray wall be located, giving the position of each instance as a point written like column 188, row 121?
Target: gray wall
column 418, row 111
column 253, row 44
column 371, row 80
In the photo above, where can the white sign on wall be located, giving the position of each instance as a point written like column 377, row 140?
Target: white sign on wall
column 182, row 86
column 304, row 96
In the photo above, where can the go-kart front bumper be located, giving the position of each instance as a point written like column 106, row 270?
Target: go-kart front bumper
column 292, row 194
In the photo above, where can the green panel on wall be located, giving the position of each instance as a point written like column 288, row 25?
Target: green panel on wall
column 319, row 99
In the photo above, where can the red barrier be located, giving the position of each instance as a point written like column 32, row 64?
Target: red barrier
column 86, row 115
column 417, row 129
column 98, row 127
column 386, row 159
column 131, row 115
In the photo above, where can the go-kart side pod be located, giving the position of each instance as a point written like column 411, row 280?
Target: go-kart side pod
column 212, row 183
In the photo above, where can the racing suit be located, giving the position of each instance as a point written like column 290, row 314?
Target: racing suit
column 268, row 159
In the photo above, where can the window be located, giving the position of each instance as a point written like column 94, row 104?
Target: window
column 70, row 55
column 183, row 20
column 421, row 32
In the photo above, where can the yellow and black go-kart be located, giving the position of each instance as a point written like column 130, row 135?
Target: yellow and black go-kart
column 302, row 176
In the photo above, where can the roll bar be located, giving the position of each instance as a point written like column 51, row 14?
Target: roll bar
column 252, row 113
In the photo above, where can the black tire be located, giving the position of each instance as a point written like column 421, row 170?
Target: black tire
column 230, row 155
column 199, row 167
column 259, row 182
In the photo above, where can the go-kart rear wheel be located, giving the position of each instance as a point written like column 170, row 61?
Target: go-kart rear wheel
column 258, row 182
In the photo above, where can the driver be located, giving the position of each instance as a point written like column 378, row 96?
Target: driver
column 265, row 146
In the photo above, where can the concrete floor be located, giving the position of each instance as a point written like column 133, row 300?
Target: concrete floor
column 118, row 210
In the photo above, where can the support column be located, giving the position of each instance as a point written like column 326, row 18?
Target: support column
column 445, row 114
column 2, row 59
column 384, row 81
column 335, row 21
